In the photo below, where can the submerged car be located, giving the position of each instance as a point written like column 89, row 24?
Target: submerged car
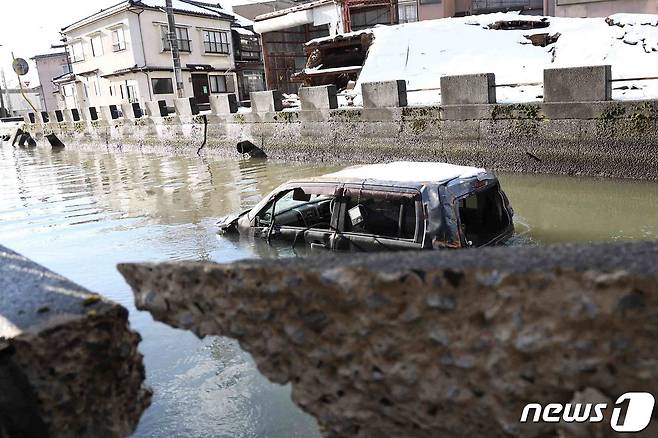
column 390, row 206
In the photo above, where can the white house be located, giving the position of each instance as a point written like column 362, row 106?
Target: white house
column 121, row 53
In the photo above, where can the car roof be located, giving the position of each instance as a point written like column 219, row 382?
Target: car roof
column 414, row 172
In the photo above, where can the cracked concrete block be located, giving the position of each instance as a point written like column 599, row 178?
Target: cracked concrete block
column 69, row 364
column 426, row 344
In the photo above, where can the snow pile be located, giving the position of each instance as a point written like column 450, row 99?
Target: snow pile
column 422, row 52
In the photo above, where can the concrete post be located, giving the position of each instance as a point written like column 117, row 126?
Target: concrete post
column 109, row 112
column 186, row 107
column 90, row 113
column 131, row 110
column 154, row 109
column 315, row 98
column 386, row 94
column 222, row 104
column 468, row 89
column 578, row 84
column 266, row 101
column 68, row 115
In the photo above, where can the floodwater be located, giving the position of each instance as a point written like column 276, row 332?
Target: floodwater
column 80, row 213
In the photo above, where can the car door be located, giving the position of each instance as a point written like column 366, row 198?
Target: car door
column 300, row 214
column 379, row 218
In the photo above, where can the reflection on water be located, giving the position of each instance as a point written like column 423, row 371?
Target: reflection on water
column 80, row 213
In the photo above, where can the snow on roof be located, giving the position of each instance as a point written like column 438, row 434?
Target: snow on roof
column 408, row 171
column 243, row 31
column 180, row 5
column 300, row 7
column 422, row 52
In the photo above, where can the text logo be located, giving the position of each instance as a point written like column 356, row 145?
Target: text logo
column 630, row 413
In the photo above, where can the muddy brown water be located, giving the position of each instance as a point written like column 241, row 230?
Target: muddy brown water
column 80, row 213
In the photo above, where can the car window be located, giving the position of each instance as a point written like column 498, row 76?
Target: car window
column 482, row 216
column 296, row 208
column 381, row 216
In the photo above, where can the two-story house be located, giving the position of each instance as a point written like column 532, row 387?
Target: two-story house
column 51, row 66
column 123, row 53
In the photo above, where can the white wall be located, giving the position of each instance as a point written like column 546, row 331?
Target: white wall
column 49, row 67
column 143, row 49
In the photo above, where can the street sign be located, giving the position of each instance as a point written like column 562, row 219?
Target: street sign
column 20, row 66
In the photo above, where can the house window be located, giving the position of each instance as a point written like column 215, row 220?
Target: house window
column 221, row 84
column 249, row 47
column 407, row 13
column 429, row 2
column 96, row 45
column 162, row 86
column 215, row 42
column 362, row 19
column 181, row 36
column 77, row 52
column 118, row 40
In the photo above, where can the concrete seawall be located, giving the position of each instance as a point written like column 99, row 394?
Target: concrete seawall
column 596, row 137
column 449, row 343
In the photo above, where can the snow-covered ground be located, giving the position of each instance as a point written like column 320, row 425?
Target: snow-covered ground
column 422, row 52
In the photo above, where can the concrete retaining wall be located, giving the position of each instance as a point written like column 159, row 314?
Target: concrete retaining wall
column 594, row 137
column 440, row 343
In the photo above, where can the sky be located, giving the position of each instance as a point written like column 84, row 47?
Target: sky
column 29, row 27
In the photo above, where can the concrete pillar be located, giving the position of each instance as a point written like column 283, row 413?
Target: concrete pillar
column 266, row 101
column 155, row 109
column 221, row 104
column 578, row 84
column 468, row 89
column 90, row 113
column 131, row 110
column 315, row 98
column 69, row 363
column 109, row 112
column 186, row 107
column 386, row 94
column 68, row 115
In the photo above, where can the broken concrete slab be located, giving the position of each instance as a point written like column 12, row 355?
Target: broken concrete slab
column 425, row 344
column 69, row 364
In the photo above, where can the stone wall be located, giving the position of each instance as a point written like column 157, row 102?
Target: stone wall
column 591, row 135
column 449, row 343
column 69, row 364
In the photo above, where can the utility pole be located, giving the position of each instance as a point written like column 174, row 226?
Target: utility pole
column 173, row 41
column 3, row 111
column 5, row 90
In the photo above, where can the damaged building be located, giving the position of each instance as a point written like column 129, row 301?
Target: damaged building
column 318, row 42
